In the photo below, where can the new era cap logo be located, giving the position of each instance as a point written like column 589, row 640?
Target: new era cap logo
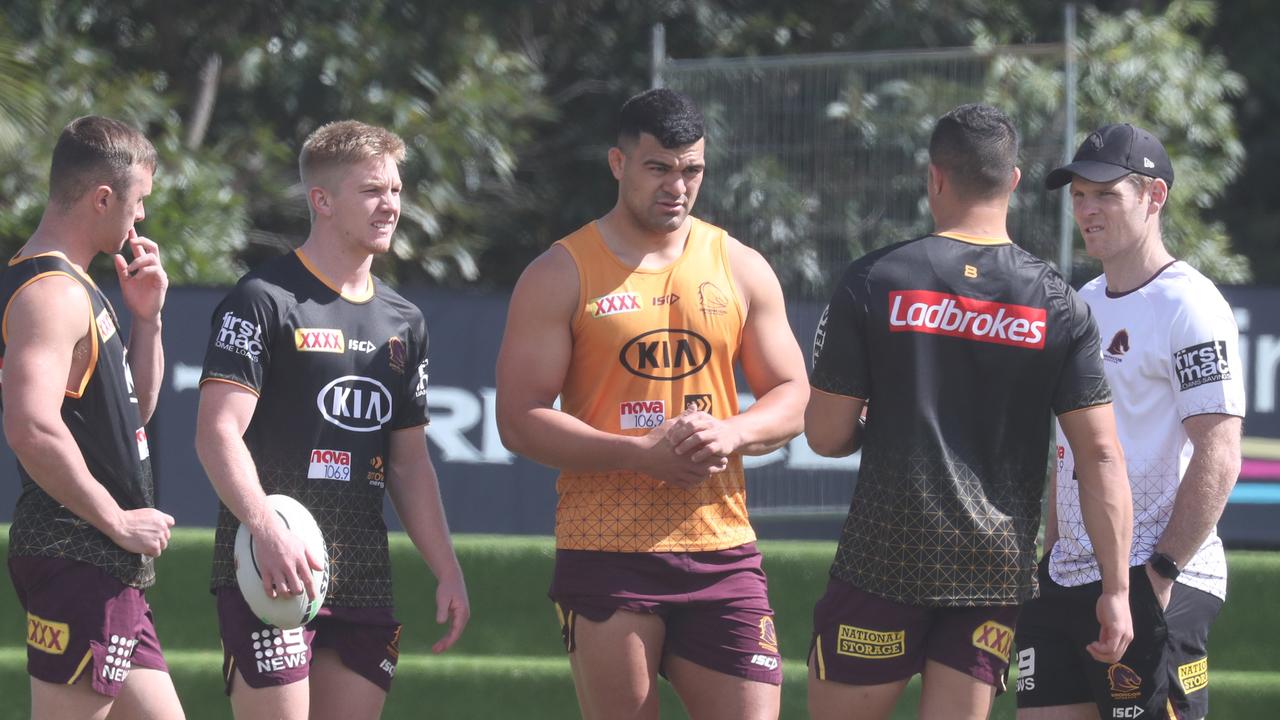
column 1146, row 163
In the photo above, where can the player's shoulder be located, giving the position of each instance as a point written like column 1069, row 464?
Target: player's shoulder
column 1180, row 279
column 276, row 279
column 393, row 302
column 903, row 256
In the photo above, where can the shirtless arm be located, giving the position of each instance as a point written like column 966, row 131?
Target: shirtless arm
column 832, row 423
column 43, row 324
column 532, row 365
column 1211, row 475
column 415, row 493
column 772, row 364
column 224, row 415
column 1107, row 506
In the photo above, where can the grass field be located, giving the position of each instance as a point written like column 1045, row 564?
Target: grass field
column 510, row 659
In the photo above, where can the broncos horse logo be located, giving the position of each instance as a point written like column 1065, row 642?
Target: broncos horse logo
column 1119, row 344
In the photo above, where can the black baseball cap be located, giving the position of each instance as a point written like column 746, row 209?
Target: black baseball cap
column 1113, row 151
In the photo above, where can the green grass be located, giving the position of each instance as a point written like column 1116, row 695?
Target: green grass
column 510, row 657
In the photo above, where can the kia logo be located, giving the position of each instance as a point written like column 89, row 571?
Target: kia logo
column 355, row 403
column 666, row 354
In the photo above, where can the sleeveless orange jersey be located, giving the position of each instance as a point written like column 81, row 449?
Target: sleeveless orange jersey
column 647, row 343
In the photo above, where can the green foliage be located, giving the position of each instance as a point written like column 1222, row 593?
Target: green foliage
column 193, row 213
column 1150, row 70
column 508, row 108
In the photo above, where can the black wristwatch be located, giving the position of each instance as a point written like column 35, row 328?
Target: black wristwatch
column 1165, row 566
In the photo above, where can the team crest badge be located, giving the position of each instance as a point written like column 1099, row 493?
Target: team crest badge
column 396, row 354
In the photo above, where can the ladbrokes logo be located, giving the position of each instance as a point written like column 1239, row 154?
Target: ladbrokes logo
column 239, row 336
column 319, row 340
column 938, row 313
column 47, row 635
column 871, row 644
column 994, row 638
column 1201, row 364
column 606, row 305
column 1125, row 682
column 667, row 354
column 355, row 403
column 1194, row 675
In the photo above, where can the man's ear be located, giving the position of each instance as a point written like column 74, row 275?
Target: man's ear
column 321, row 202
column 617, row 160
column 102, row 197
column 936, row 180
column 1159, row 195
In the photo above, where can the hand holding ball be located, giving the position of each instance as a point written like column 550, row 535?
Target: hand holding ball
column 286, row 610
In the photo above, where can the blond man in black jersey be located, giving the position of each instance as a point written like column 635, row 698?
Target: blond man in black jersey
column 315, row 386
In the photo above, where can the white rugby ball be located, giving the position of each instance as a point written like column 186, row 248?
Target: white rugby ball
column 285, row 611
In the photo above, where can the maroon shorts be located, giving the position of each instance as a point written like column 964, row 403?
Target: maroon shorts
column 864, row 639
column 81, row 621
column 715, row 604
column 367, row 641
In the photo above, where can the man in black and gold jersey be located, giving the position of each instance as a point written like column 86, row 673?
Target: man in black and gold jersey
column 314, row 386
column 958, row 345
column 636, row 322
column 85, row 529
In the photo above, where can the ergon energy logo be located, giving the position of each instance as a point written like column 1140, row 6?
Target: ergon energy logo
column 936, row 313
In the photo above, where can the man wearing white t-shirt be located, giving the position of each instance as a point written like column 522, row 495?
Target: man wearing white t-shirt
column 1172, row 359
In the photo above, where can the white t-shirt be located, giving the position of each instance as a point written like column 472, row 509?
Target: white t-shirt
column 1170, row 351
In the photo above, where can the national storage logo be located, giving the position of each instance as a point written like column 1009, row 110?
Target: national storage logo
column 870, row 644
column 666, row 354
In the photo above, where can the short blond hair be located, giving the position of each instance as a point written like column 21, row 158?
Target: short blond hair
column 346, row 142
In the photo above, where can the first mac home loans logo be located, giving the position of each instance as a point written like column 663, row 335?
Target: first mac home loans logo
column 1201, row 364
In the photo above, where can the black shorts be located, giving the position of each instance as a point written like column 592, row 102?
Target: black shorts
column 1165, row 669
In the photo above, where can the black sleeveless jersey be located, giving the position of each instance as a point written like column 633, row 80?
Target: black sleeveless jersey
column 334, row 376
column 102, row 416
column 962, row 347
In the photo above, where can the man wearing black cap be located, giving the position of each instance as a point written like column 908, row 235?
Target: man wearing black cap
column 1172, row 360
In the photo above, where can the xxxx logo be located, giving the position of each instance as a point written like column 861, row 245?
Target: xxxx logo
column 994, row 638
column 46, row 635
column 318, row 340
column 613, row 304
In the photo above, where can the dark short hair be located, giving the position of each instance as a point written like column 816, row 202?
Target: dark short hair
column 669, row 116
column 977, row 147
column 95, row 150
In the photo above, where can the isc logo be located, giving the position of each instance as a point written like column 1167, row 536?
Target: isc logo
column 355, row 403
column 667, row 354
column 765, row 661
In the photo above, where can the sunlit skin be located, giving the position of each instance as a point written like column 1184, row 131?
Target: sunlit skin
column 364, row 208
column 125, row 209
column 1119, row 220
column 657, row 186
